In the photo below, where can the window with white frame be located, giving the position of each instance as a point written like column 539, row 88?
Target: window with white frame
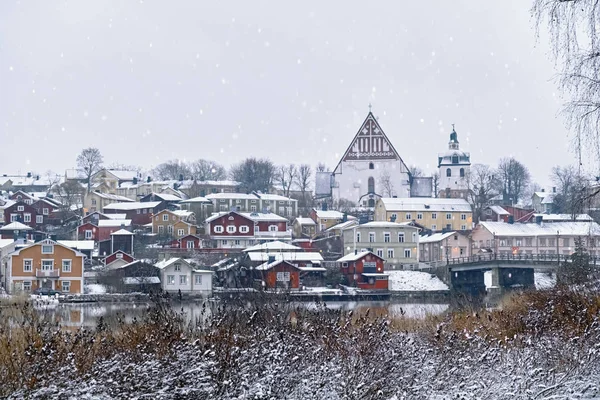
column 236, row 242
column 119, row 255
column 433, row 215
column 180, row 232
column 66, row 265
column 463, row 227
column 433, row 227
column 253, row 208
column 224, row 242
column 273, row 228
column 145, row 211
column 47, row 249
column 407, row 253
column 408, row 216
column 371, row 237
column 198, row 279
column 170, row 279
column 390, row 253
column 27, row 265
column 45, row 211
column 20, row 208
column 448, row 216
column 244, row 229
column 400, row 237
column 89, row 234
column 231, row 228
column 66, row 286
column 223, row 207
column 14, row 217
column 463, row 217
column 170, row 229
column 39, row 219
column 386, row 237
column 380, row 253
column 47, row 265
column 218, row 229
column 161, row 229
column 183, row 279
column 357, row 237
column 165, row 217
column 26, row 217
column 190, row 244
column 138, row 211
column 394, row 216
column 419, row 215
column 27, row 286
column 177, row 267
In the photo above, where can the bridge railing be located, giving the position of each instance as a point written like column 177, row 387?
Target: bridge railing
column 542, row 258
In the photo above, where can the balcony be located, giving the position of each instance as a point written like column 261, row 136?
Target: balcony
column 273, row 234
column 47, row 273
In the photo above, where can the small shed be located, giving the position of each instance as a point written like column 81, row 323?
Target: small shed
column 364, row 270
column 279, row 274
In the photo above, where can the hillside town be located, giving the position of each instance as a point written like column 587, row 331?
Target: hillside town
column 189, row 230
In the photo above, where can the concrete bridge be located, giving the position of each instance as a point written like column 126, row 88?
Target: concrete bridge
column 466, row 274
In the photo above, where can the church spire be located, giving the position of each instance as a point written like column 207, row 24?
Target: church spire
column 453, row 144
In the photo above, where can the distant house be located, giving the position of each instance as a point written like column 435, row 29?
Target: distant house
column 122, row 240
column 303, row 227
column 24, row 213
column 278, row 274
column 189, row 242
column 543, row 202
column 45, row 264
column 176, row 224
column 102, row 230
column 113, row 178
column 135, row 276
column 241, row 229
column 139, row 213
column 97, row 216
column 325, row 219
column 364, row 270
column 117, row 259
column 444, row 246
column 96, row 201
column 505, row 213
column 254, row 202
column 83, row 246
column 177, row 274
column 15, row 230
column 167, row 198
column 200, row 206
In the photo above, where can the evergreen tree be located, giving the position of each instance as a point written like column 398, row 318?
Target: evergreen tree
column 578, row 271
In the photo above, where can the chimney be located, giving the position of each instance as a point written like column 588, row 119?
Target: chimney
column 553, row 189
column 135, row 180
column 29, row 174
column 149, row 180
column 324, row 206
column 543, row 190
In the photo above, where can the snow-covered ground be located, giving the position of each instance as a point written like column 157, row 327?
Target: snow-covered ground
column 95, row 289
column 544, row 281
column 414, row 280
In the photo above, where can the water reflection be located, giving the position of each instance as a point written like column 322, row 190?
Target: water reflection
column 88, row 315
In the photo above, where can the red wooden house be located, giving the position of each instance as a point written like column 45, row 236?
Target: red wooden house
column 138, row 213
column 278, row 275
column 243, row 229
column 21, row 196
column 49, row 210
column 23, row 213
column 364, row 270
column 102, row 231
column 119, row 257
column 189, row 242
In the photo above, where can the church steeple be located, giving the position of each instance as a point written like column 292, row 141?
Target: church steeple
column 453, row 143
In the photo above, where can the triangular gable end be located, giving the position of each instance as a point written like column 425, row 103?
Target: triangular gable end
column 370, row 143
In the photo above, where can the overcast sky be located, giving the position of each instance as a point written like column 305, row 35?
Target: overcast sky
column 146, row 82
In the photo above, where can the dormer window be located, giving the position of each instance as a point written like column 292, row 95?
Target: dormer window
column 455, row 159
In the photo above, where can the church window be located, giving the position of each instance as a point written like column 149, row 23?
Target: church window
column 371, row 185
column 371, row 165
column 448, row 172
column 455, row 159
column 462, row 172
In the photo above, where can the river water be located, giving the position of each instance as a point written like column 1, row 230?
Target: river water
column 88, row 315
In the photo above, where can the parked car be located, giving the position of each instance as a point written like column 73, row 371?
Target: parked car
column 46, row 292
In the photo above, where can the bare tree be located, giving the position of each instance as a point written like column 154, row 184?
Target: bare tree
column 482, row 184
column 415, row 172
column 574, row 27
column 514, row 178
column 206, row 170
column 172, row 170
column 571, row 190
column 89, row 161
column 53, row 179
column 435, row 180
column 286, row 177
column 321, row 167
column 254, row 174
column 124, row 167
column 386, row 183
column 303, row 181
column 70, row 195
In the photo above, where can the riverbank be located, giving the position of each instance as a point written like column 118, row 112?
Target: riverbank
column 542, row 344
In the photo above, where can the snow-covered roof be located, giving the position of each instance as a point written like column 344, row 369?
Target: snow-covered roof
column 114, row 197
column 122, row 175
column 8, row 204
column 170, row 261
column 287, row 256
column 331, row 214
column 436, row 237
column 240, row 196
column 183, row 213
column 271, row 197
column 549, row 229
column 166, row 196
column 196, row 200
column 343, row 225
column 386, row 224
column 254, row 216
column 269, row 265
column 355, row 256
column 425, row 204
column 548, row 199
column 78, row 244
column 499, row 210
column 122, row 232
column 132, row 206
column 113, row 222
column 6, row 242
column 565, row 217
column 14, row 226
column 305, row 221
column 116, row 216
column 274, row 245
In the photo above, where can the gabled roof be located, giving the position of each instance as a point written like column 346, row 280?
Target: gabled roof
column 268, row 265
column 305, row 221
column 122, row 232
column 253, row 216
column 275, row 245
column 132, row 206
column 436, row 237
column 78, row 244
column 113, row 197
column 14, row 226
column 357, row 256
column 197, row 200
column 343, row 225
column 165, row 263
column 425, row 204
column 331, row 214
column 499, row 210
column 121, row 175
column 361, row 149
column 164, row 196
column 47, row 241
column 119, row 251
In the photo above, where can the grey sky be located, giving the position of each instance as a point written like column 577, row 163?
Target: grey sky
column 146, row 82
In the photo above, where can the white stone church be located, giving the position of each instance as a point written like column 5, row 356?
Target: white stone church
column 372, row 168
